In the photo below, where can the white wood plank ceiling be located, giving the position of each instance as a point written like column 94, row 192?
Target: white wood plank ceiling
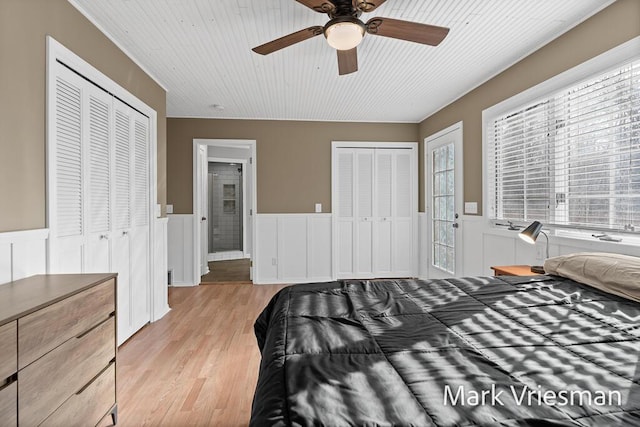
column 200, row 51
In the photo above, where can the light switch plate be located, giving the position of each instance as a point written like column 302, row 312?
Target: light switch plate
column 318, row 207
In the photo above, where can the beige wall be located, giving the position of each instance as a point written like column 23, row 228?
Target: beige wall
column 24, row 25
column 294, row 157
column 616, row 24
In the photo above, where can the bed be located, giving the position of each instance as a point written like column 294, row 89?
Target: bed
column 508, row 351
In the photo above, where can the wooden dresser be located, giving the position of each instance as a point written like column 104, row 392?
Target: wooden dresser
column 58, row 350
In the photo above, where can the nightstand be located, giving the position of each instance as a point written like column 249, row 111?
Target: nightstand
column 513, row 270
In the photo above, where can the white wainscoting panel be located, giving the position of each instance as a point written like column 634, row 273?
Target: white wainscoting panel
column 6, row 262
column 266, row 261
column 180, row 249
column 161, row 291
column 497, row 250
column 293, row 248
column 485, row 245
column 423, row 245
column 319, row 247
column 23, row 254
column 503, row 247
column 472, row 245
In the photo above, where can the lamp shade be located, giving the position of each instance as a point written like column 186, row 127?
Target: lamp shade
column 530, row 234
column 344, row 35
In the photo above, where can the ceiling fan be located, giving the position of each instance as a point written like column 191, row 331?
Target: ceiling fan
column 345, row 30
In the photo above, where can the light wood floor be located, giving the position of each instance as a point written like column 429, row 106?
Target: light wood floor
column 198, row 365
column 236, row 270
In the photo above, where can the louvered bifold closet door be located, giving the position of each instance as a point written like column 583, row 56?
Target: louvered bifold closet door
column 98, row 190
column 376, row 212
column 99, row 187
column 402, row 206
column 123, row 153
column 65, row 184
column 345, row 236
column 364, row 198
column 383, row 221
column 140, row 216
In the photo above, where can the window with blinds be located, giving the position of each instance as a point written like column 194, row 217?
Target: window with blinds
column 571, row 158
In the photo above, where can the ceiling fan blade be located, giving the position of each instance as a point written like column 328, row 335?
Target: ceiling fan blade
column 367, row 5
column 320, row 6
column 347, row 61
column 288, row 40
column 405, row 30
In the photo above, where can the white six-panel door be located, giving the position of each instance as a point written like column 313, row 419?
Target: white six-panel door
column 375, row 209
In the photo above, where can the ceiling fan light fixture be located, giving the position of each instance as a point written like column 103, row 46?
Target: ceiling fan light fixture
column 344, row 34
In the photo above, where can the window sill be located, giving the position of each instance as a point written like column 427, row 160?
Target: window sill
column 578, row 238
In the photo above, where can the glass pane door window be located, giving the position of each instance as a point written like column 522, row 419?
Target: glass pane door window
column 443, row 202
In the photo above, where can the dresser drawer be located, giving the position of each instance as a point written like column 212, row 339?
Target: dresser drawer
column 46, row 329
column 49, row 381
column 9, row 404
column 89, row 405
column 8, row 351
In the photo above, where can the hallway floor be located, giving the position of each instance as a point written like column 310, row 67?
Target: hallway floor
column 236, row 270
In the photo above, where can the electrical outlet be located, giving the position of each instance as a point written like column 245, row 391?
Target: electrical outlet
column 539, row 252
column 274, row 261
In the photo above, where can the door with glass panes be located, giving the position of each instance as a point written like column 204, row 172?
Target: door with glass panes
column 443, row 170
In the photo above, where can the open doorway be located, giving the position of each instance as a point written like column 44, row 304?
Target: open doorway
column 226, row 215
column 224, row 197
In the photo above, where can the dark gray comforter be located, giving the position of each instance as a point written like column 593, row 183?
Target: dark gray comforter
column 508, row 351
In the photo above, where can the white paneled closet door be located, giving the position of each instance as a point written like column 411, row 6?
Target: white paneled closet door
column 375, row 213
column 345, row 212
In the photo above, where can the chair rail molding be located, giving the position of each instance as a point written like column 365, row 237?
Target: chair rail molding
column 180, row 249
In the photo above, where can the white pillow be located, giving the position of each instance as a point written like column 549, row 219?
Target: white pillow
column 613, row 273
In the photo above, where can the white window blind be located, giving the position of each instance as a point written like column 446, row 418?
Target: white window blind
column 571, row 158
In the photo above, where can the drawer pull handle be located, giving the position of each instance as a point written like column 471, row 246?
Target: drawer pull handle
column 82, row 335
column 92, row 380
column 10, row 380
